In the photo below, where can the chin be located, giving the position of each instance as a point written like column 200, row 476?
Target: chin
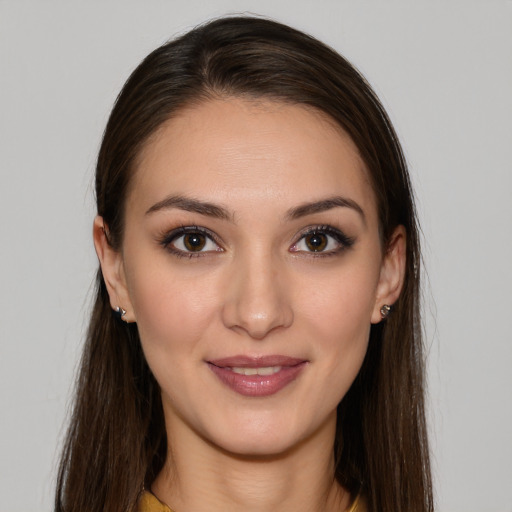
column 259, row 447
column 268, row 439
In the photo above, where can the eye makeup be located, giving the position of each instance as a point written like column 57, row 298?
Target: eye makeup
column 322, row 241
column 190, row 242
column 197, row 241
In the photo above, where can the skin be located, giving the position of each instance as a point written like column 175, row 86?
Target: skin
column 258, row 289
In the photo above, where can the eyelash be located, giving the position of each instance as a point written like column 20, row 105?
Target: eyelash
column 344, row 242
column 169, row 238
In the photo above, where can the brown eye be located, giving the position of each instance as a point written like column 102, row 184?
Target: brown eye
column 322, row 241
column 316, row 242
column 191, row 241
column 194, row 242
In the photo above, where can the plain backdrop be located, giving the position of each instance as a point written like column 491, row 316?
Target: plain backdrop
column 444, row 72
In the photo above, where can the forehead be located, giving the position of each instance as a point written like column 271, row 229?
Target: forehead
column 232, row 148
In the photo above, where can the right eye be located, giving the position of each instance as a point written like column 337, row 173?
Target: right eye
column 190, row 241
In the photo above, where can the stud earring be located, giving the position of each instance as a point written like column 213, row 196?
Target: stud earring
column 384, row 311
column 120, row 313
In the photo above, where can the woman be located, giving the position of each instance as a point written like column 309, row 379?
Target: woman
column 255, row 341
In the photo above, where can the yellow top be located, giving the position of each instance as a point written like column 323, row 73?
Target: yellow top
column 150, row 503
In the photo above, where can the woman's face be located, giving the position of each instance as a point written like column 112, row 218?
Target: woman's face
column 252, row 264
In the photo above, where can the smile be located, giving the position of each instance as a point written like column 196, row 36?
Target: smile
column 259, row 376
column 267, row 370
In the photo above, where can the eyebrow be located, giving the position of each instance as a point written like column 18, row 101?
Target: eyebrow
column 324, row 205
column 219, row 212
column 191, row 205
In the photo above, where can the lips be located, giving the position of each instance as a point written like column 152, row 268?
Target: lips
column 257, row 376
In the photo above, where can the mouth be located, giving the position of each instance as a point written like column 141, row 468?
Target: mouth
column 266, row 370
column 257, row 376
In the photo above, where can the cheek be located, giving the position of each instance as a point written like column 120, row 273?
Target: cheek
column 341, row 300
column 337, row 316
column 172, row 308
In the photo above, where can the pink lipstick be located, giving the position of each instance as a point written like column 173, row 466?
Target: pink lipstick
column 257, row 376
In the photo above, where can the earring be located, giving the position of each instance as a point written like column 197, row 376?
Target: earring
column 384, row 311
column 120, row 313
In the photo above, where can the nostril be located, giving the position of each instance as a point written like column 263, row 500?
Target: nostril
column 256, row 322
column 255, row 301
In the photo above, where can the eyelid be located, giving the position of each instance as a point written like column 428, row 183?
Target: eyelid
column 168, row 237
column 344, row 241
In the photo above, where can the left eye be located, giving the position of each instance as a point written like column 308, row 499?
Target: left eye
column 321, row 242
column 193, row 242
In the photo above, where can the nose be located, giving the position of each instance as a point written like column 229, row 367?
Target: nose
column 257, row 297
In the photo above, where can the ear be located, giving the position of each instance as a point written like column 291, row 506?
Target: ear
column 112, row 268
column 392, row 273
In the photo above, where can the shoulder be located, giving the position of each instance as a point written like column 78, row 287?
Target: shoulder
column 150, row 503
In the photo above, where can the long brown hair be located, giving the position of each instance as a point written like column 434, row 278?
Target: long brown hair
column 117, row 440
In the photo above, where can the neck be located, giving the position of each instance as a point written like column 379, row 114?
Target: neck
column 200, row 476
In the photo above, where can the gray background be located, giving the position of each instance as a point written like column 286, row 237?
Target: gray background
column 443, row 70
